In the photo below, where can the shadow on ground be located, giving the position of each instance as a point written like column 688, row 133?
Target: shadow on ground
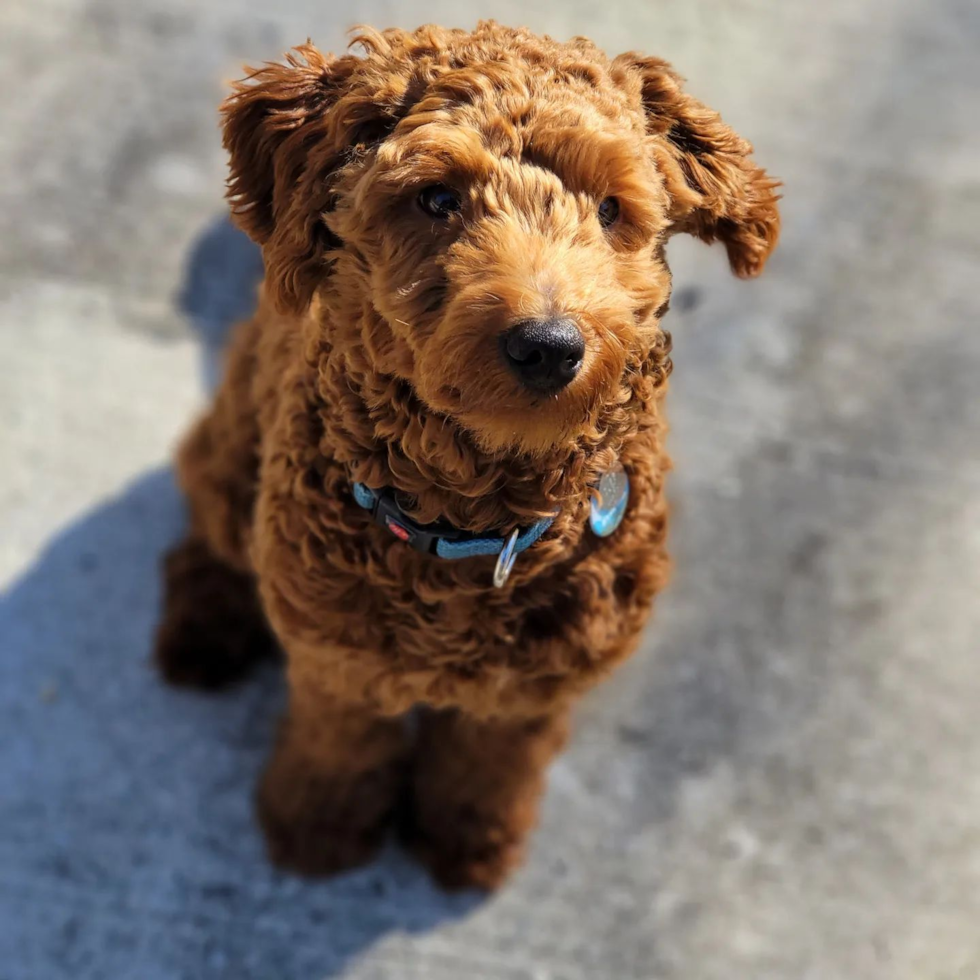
column 129, row 846
column 221, row 276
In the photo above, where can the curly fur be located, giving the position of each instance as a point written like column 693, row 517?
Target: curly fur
column 373, row 357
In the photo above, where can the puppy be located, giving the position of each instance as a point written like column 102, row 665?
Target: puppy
column 434, row 472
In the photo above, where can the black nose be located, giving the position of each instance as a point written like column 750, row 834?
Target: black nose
column 544, row 354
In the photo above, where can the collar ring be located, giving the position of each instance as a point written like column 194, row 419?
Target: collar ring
column 505, row 563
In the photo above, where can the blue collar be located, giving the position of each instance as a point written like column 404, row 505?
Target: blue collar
column 440, row 539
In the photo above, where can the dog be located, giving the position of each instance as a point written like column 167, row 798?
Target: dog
column 433, row 474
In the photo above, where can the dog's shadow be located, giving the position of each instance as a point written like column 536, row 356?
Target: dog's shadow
column 128, row 840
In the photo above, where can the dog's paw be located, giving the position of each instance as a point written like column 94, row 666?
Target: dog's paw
column 316, row 846
column 190, row 652
column 466, row 853
column 322, row 826
column 212, row 631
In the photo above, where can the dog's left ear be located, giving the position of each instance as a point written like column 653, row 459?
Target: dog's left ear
column 716, row 189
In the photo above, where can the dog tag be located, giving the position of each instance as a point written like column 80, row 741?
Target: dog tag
column 609, row 501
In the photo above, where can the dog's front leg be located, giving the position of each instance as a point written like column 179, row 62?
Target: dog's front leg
column 475, row 791
column 332, row 783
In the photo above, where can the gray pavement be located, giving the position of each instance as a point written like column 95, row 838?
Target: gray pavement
column 784, row 785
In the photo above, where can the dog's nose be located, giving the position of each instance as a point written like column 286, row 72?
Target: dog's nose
column 545, row 354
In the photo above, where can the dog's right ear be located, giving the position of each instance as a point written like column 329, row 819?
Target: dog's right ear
column 268, row 120
column 277, row 128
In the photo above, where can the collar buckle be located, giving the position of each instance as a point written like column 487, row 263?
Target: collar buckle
column 421, row 537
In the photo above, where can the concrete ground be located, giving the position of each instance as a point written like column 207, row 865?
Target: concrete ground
column 784, row 785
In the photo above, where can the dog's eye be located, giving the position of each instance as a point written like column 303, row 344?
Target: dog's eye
column 608, row 212
column 439, row 201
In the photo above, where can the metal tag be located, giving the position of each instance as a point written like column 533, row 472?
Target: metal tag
column 609, row 501
column 505, row 563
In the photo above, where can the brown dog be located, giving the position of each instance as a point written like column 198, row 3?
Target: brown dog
column 457, row 338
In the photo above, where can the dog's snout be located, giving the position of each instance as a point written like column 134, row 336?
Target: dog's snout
column 545, row 354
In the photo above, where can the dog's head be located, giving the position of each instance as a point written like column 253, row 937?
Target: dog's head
column 492, row 209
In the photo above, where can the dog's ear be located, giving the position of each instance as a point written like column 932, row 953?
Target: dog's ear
column 716, row 189
column 277, row 128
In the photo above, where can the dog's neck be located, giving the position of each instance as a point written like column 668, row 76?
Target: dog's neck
column 376, row 426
